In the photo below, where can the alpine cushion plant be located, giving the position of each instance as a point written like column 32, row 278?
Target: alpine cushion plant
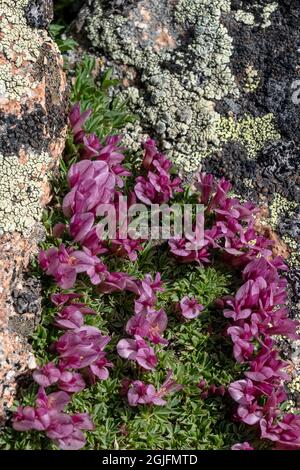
column 254, row 314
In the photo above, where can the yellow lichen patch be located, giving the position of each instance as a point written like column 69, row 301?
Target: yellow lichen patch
column 251, row 132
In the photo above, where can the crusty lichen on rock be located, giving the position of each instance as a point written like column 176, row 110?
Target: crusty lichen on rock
column 182, row 52
column 32, row 111
column 22, row 187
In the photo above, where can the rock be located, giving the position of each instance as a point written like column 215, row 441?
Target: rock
column 33, row 108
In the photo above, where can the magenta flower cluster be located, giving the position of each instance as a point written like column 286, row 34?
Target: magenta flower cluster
column 257, row 312
column 80, row 350
column 81, row 360
column 157, row 186
column 146, row 323
column 48, row 416
column 139, row 393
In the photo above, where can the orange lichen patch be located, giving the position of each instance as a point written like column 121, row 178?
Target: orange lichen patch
column 10, row 107
column 146, row 15
column 39, row 93
column 23, row 158
column 164, row 40
column 46, row 194
column 262, row 227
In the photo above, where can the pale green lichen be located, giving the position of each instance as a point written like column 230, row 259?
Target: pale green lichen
column 294, row 247
column 251, row 132
column 279, row 206
column 245, row 17
column 22, row 180
column 267, row 12
column 20, row 47
column 176, row 99
column 252, row 80
column 263, row 11
column 21, row 188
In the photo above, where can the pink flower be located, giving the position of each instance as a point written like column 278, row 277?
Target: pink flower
column 137, row 350
column 118, row 282
column 61, row 299
column 245, row 299
column 26, row 419
column 190, row 308
column 205, row 185
column 126, row 248
column 92, row 184
column 77, row 120
column 72, row 316
column 99, row 368
column 149, row 325
column 71, row 382
column 144, row 190
column 241, row 337
column 149, row 154
column 91, row 146
column 242, row 446
column 53, row 402
column 250, row 414
column 80, row 225
column 47, row 375
column 186, row 251
column 267, row 366
column 81, row 347
column 223, row 187
column 285, row 432
column 59, row 263
column 140, row 393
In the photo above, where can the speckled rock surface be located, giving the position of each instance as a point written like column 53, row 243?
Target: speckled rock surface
column 216, row 82
column 33, row 105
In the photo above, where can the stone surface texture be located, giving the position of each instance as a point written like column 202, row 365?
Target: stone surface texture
column 217, row 83
column 33, row 102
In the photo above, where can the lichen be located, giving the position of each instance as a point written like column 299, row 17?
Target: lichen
column 245, row 17
column 251, row 132
column 32, row 111
column 21, row 188
column 278, row 206
column 267, row 12
column 250, row 18
column 19, row 47
column 252, row 79
column 182, row 55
